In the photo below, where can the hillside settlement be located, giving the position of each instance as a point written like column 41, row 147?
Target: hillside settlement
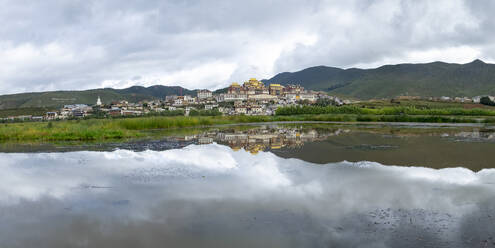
column 252, row 97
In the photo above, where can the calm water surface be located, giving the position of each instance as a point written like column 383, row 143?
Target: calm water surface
column 260, row 186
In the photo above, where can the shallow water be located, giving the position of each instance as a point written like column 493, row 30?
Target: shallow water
column 221, row 189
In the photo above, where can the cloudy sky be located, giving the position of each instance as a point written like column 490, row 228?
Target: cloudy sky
column 56, row 44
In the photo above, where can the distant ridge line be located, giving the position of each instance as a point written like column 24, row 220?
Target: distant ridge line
column 432, row 79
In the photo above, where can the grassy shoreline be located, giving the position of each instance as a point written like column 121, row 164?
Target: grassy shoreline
column 386, row 110
column 115, row 129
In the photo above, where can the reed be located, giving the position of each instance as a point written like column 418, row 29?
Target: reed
column 298, row 110
column 108, row 129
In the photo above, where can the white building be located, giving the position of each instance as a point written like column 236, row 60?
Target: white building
column 291, row 97
column 203, row 94
column 189, row 99
column 255, row 110
column 233, row 97
column 178, row 102
column 171, row 98
column 210, row 106
column 224, row 110
column 205, row 140
column 51, row 115
column 262, row 97
column 240, row 110
column 308, row 96
column 187, row 111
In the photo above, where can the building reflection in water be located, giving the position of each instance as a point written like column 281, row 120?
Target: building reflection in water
column 385, row 145
column 264, row 137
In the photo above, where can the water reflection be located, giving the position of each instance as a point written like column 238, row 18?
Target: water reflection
column 213, row 196
column 409, row 145
column 264, row 137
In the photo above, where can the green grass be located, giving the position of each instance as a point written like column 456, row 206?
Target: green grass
column 400, row 110
column 422, row 104
column 66, row 130
column 115, row 129
column 107, row 129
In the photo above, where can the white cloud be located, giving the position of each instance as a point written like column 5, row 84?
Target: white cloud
column 39, row 65
column 215, row 187
column 208, row 75
column 462, row 54
column 59, row 175
column 196, row 44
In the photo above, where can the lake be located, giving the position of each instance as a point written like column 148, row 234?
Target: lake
column 285, row 185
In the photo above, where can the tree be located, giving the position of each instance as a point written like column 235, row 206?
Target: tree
column 323, row 102
column 193, row 112
column 98, row 113
column 487, row 101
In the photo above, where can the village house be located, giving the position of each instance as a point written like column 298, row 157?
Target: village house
column 51, row 116
column 179, row 101
column 309, row 96
column 131, row 112
column 229, row 97
column 240, row 110
column 255, row 110
column 189, row 99
column 24, row 117
column 115, row 111
column 204, row 94
column 250, row 98
column 210, row 106
column 187, row 110
column 261, row 97
column 276, row 89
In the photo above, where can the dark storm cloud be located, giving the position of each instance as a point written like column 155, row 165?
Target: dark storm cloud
column 84, row 44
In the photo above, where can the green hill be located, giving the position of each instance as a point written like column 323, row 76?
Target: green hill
column 55, row 99
column 431, row 79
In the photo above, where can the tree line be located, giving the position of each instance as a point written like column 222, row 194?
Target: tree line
column 315, row 110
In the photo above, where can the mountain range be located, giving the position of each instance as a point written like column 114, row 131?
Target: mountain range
column 55, row 99
column 430, row 79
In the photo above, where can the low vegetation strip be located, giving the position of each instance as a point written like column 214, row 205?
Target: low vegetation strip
column 105, row 129
column 318, row 110
column 111, row 129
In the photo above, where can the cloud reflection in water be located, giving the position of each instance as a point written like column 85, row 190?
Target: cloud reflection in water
column 210, row 195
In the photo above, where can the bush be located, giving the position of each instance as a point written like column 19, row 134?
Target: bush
column 487, row 101
column 316, row 110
